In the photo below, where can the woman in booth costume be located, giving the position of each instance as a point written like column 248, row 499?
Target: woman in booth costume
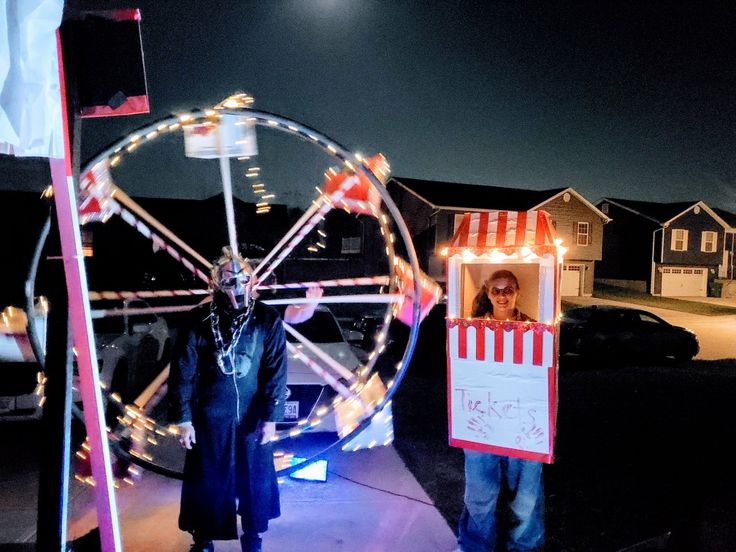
column 518, row 524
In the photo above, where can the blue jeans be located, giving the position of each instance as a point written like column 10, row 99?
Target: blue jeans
column 485, row 477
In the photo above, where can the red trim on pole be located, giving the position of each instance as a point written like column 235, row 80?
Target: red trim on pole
column 134, row 105
column 552, row 386
column 81, row 324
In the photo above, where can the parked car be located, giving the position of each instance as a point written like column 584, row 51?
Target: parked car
column 366, row 328
column 620, row 332
column 21, row 378
column 131, row 351
column 305, row 389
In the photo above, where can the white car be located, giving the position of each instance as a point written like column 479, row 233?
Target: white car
column 21, row 378
column 131, row 349
column 305, row 389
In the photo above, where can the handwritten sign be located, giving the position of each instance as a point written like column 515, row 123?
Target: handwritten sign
column 501, row 408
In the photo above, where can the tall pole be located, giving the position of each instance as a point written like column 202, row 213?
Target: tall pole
column 81, row 325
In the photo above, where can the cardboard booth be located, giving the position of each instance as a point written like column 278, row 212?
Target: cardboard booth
column 502, row 374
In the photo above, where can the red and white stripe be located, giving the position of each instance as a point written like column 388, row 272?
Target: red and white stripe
column 504, row 229
column 363, row 281
column 328, row 202
column 120, row 295
column 519, row 345
column 159, row 242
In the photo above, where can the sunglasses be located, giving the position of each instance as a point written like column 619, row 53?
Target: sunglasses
column 508, row 290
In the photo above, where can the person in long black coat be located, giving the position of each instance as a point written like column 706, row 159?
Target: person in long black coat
column 227, row 387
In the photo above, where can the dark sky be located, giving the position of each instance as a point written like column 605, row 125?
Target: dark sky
column 631, row 99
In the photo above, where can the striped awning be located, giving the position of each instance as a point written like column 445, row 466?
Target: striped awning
column 504, row 229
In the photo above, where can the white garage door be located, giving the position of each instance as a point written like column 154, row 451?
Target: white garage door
column 683, row 282
column 571, row 279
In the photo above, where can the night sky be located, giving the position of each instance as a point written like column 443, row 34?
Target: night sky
column 622, row 100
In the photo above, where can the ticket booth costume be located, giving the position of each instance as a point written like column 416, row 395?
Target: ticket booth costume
column 502, row 375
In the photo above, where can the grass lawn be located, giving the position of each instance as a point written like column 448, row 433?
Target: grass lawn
column 647, row 300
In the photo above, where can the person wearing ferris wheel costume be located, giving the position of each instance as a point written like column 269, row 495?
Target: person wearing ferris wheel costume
column 227, row 388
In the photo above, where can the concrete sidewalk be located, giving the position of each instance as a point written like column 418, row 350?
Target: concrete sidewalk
column 370, row 503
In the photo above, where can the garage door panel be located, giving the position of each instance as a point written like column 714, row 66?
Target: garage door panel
column 684, row 281
column 570, row 284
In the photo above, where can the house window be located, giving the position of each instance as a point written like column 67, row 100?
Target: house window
column 350, row 245
column 582, row 233
column 708, row 242
column 604, row 208
column 679, row 239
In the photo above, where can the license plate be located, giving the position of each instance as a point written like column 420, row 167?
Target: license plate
column 292, row 410
column 7, row 404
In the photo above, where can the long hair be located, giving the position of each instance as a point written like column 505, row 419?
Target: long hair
column 481, row 302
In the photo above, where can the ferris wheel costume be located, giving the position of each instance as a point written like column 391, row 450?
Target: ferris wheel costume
column 228, row 378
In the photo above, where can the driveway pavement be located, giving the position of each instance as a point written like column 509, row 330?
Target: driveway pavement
column 369, row 503
column 716, row 334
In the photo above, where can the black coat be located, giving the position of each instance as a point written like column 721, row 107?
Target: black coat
column 228, row 462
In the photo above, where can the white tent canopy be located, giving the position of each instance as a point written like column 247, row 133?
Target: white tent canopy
column 30, row 123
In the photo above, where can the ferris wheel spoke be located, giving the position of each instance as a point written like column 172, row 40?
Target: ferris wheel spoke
column 293, row 230
column 123, row 198
column 357, row 298
column 340, row 388
column 362, row 281
column 344, row 372
column 328, row 202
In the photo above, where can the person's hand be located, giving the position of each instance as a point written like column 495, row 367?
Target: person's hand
column 187, row 436
column 268, row 430
column 314, row 292
column 301, row 312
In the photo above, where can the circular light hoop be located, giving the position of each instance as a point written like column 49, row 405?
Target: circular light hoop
column 172, row 123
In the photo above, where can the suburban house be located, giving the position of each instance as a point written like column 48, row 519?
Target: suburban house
column 729, row 247
column 668, row 249
column 432, row 211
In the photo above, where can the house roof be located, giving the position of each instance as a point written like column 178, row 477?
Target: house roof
column 662, row 213
column 477, row 197
column 727, row 216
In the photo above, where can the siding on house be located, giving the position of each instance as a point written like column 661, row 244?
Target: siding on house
column 627, row 245
column 695, row 224
column 431, row 220
column 565, row 217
